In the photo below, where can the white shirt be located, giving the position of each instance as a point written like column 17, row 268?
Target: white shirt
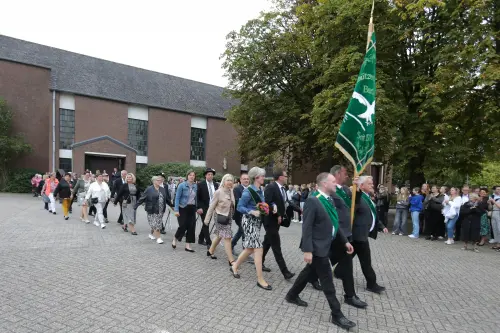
column 211, row 184
column 283, row 192
column 327, row 197
column 465, row 199
column 101, row 192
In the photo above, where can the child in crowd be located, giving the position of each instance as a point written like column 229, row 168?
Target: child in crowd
column 416, row 207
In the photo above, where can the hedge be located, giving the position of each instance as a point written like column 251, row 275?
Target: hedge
column 19, row 181
column 170, row 170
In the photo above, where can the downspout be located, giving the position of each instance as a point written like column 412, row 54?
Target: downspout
column 53, row 130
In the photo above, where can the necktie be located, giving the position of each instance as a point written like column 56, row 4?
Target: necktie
column 210, row 193
column 283, row 194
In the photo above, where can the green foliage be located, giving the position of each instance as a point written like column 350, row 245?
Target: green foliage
column 145, row 174
column 438, row 82
column 19, row 181
column 489, row 175
column 12, row 145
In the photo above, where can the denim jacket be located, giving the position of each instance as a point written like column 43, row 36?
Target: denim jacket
column 182, row 195
column 246, row 203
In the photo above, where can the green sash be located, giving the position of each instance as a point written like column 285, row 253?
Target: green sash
column 255, row 196
column 341, row 193
column 332, row 212
column 371, row 204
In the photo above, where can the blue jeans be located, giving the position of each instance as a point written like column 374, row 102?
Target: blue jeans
column 450, row 227
column 239, row 234
column 400, row 220
column 415, row 218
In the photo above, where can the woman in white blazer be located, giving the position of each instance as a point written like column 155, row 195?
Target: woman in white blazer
column 98, row 194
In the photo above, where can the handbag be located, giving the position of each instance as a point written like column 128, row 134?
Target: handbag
column 94, row 201
column 45, row 198
column 223, row 219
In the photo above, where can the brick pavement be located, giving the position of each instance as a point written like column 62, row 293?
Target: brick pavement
column 65, row 276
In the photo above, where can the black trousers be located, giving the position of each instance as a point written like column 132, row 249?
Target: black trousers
column 187, row 223
column 458, row 229
column 362, row 249
column 92, row 210
column 338, row 255
column 320, row 267
column 435, row 222
column 105, row 209
column 204, row 232
column 120, row 219
column 272, row 240
column 382, row 215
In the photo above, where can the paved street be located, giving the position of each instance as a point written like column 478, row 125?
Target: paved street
column 66, row 276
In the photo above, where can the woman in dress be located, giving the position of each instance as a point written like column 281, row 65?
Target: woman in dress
column 80, row 189
column 223, row 207
column 155, row 200
column 471, row 213
column 485, row 223
column 185, row 210
column 129, row 194
column 98, row 194
column 451, row 211
column 494, row 206
column 251, row 223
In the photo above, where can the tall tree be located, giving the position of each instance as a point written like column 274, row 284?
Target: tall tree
column 11, row 145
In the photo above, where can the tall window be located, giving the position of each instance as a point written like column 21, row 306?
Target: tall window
column 65, row 164
column 138, row 135
column 197, row 144
column 66, row 128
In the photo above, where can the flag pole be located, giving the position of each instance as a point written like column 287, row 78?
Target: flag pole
column 356, row 174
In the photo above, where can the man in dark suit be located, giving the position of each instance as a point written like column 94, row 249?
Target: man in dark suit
column 117, row 185
column 319, row 229
column 342, row 200
column 238, row 191
column 365, row 225
column 276, row 198
column 206, row 190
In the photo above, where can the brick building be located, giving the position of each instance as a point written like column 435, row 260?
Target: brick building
column 81, row 112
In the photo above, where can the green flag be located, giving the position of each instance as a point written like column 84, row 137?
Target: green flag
column 356, row 137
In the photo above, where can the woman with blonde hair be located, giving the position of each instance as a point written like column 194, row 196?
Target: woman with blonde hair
column 402, row 204
column 451, row 212
column 222, row 209
column 128, row 195
column 48, row 188
column 251, row 222
column 98, row 193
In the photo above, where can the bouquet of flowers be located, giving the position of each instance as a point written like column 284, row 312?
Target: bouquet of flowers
column 263, row 208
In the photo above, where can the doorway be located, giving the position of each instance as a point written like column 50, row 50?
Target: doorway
column 101, row 163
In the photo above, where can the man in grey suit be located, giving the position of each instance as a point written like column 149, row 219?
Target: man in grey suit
column 320, row 227
column 365, row 225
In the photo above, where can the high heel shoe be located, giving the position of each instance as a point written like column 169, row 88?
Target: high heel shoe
column 231, row 263
column 211, row 255
column 174, row 246
column 235, row 275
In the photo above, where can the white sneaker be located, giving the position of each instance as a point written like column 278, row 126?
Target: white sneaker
column 151, row 237
column 103, row 226
column 440, row 237
column 393, row 233
column 412, row 236
column 401, row 234
column 96, row 224
column 492, row 241
column 159, row 241
column 300, row 222
column 449, row 242
column 87, row 221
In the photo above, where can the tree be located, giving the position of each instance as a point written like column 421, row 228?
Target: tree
column 12, row 145
column 489, row 175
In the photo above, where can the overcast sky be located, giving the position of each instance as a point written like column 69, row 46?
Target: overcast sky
column 183, row 38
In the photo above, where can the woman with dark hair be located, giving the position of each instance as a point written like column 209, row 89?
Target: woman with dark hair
column 185, row 210
column 63, row 189
column 155, row 202
column 434, row 215
column 485, row 223
column 471, row 213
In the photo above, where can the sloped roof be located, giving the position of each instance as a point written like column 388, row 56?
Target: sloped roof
column 100, row 138
column 89, row 76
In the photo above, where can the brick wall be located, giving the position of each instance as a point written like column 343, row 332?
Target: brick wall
column 169, row 136
column 26, row 90
column 222, row 142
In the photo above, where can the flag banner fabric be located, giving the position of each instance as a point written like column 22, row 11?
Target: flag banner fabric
column 356, row 137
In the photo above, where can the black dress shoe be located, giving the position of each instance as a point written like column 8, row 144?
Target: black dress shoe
column 212, row 255
column 202, row 243
column 268, row 287
column 317, row 286
column 355, row 301
column 376, row 289
column 235, row 275
column 343, row 322
column 265, row 269
column 288, row 275
column 189, row 250
column 296, row 301
column 163, row 232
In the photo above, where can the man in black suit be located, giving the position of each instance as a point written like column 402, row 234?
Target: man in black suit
column 238, row 191
column 342, row 200
column 320, row 229
column 365, row 225
column 276, row 198
column 117, row 185
column 206, row 190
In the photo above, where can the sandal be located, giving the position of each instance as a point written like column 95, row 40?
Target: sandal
column 235, row 275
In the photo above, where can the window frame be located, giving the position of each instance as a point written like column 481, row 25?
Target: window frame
column 203, row 137
column 66, row 132
column 140, row 142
